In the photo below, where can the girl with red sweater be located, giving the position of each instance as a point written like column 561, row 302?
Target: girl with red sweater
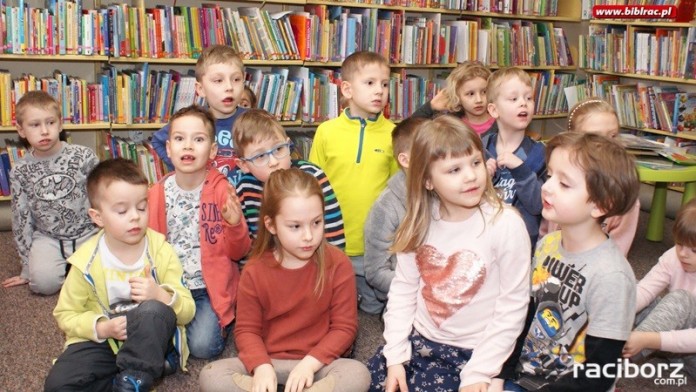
column 297, row 302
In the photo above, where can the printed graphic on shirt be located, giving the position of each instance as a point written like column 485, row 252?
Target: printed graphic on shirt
column 224, row 160
column 556, row 337
column 450, row 282
column 505, row 185
column 182, row 219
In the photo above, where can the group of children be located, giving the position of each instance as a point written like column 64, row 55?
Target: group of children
column 437, row 218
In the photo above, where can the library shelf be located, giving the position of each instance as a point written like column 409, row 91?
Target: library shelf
column 681, row 135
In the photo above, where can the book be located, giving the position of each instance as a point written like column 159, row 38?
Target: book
column 680, row 158
column 685, row 112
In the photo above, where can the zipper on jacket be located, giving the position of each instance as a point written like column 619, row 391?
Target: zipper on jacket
column 361, row 139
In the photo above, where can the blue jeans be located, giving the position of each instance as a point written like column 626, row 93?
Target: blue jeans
column 205, row 337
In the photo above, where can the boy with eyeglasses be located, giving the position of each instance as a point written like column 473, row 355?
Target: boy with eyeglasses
column 263, row 147
column 197, row 209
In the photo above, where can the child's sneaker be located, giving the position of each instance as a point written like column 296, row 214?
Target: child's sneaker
column 171, row 363
column 132, row 381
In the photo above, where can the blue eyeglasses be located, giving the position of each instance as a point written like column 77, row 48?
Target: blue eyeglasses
column 279, row 151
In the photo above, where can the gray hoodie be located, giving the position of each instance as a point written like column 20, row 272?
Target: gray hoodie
column 384, row 218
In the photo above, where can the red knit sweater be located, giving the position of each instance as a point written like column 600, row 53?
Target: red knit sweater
column 278, row 315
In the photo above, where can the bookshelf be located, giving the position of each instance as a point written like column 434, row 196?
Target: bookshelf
column 394, row 16
column 647, row 54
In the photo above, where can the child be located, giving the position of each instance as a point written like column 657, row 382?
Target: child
column 220, row 80
column 460, row 291
column 583, row 289
column 123, row 304
column 387, row 213
column 248, row 100
column 197, row 210
column 517, row 161
column 355, row 151
column 597, row 116
column 669, row 324
column 297, row 310
column 49, row 197
column 594, row 115
column 465, row 97
column 263, row 147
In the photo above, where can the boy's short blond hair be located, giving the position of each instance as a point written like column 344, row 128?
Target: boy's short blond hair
column 610, row 172
column 217, row 54
column 455, row 80
column 355, row 62
column 502, row 75
column 255, row 125
column 111, row 170
column 402, row 135
column 198, row 112
column 36, row 99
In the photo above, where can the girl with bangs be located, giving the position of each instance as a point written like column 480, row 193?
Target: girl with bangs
column 297, row 301
column 459, row 297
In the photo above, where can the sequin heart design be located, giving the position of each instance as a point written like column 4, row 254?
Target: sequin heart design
column 450, row 282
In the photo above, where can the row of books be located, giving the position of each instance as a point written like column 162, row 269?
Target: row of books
column 513, row 7
column 141, row 153
column 330, row 33
column 640, row 105
column 668, row 52
column 81, row 101
column 319, row 33
column 12, row 152
column 163, row 31
column 549, row 87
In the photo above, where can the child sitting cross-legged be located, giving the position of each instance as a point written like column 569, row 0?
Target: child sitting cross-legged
column 297, row 307
column 197, row 209
column 123, row 306
column 668, row 324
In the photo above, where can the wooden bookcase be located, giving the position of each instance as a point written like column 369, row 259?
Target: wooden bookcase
column 88, row 67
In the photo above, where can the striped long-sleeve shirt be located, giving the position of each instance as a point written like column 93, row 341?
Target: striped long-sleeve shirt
column 250, row 190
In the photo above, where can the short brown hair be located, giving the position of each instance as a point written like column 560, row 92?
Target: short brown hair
column 217, row 54
column 36, row 99
column 108, row 171
column 465, row 72
column 502, row 75
column 355, row 62
column 255, row 125
column 610, row 171
column 402, row 134
column 585, row 108
column 684, row 229
column 198, row 112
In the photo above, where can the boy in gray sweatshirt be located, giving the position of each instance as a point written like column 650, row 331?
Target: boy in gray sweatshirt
column 387, row 213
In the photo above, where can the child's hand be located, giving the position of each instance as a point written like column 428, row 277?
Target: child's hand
column 264, row 379
column 479, row 387
column 491, row 166
column 113, row 328
column 396, row 379
column 302, row 375
column 439, row 101
column 509, row 160
column 638, row 341
column 232, row 210
column 14, row 281
column 145, row 288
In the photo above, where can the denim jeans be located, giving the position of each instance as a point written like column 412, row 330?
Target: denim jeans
column 205, row 337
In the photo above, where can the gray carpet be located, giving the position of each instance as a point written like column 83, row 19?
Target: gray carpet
column 30, row 338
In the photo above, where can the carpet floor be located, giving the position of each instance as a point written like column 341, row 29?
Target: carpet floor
column 30, row 338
